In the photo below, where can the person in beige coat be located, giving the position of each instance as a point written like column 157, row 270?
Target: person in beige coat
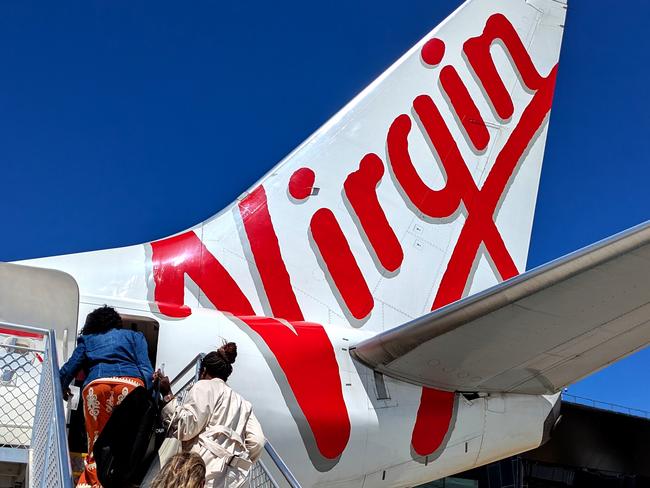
column 216, row 422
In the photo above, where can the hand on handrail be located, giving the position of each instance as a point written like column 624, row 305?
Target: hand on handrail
column 165, row 385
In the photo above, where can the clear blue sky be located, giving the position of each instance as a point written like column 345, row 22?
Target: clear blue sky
column 122, row 122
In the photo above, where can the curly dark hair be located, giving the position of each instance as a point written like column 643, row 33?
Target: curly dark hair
column 101, row 320
column 218, row 364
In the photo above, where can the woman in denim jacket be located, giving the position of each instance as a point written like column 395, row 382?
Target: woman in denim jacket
column 116, row 362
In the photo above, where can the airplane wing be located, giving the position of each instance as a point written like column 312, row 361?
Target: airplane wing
column 534, row 333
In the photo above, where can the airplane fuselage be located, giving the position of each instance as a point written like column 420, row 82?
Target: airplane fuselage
column 377, row 450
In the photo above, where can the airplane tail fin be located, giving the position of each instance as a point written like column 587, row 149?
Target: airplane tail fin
column 418, row 192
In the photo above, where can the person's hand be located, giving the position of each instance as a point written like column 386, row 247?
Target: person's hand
column 67, row 394
column 165, row 387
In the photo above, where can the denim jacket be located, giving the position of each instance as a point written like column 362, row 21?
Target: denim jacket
column 116, row 352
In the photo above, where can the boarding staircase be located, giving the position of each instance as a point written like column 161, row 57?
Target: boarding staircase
column 33, row 444
column 33, row 435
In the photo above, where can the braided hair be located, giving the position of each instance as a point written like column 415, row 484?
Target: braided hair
column 218, row 364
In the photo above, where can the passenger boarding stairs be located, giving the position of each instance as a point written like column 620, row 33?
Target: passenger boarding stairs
column 33, row 443
column 33, row 436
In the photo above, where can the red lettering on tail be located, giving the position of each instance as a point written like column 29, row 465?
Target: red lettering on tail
column 460, row 186
column 301, row 183
column 433, row 419
column 361, row 191
column 433, row 51
column 183, row 254
column 307, row 344
column 322, row 402
column 268, row 259
column 340, row 263
column 433, row 203
column 465, row 108
column 477, row 50
column 307, row 358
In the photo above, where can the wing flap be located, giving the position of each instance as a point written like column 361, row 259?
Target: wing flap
column 533, row 334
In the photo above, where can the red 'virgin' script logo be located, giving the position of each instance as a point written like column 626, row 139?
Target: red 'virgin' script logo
column 318, row 406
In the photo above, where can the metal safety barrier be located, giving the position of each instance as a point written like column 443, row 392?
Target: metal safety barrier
column 194, row 366
column 20, row 369
column 282, row 467
column 31, row 405
column 259, row 476
column 612, row 407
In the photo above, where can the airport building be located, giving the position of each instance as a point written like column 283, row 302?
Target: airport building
column 593, row 445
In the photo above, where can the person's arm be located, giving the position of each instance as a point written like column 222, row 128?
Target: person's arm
column 254, row 438
column 189, row 419
column 73, row 365
column 142, row 359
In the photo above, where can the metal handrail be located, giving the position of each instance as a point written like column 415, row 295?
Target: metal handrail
column 24, row 328
column 21, row 348
column 282, row 467
column 194, row 363
column 612, row 407
column 190, row 365
column 58, row 416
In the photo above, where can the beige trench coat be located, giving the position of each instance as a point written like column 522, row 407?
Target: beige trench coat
column 218, row 424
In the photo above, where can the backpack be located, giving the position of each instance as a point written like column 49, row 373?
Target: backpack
column 130, row 436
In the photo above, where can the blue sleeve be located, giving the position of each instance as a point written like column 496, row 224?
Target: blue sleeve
column 73, row 365
column 142, row 359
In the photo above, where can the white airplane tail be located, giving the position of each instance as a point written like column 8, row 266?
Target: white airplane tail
column 419, row 191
